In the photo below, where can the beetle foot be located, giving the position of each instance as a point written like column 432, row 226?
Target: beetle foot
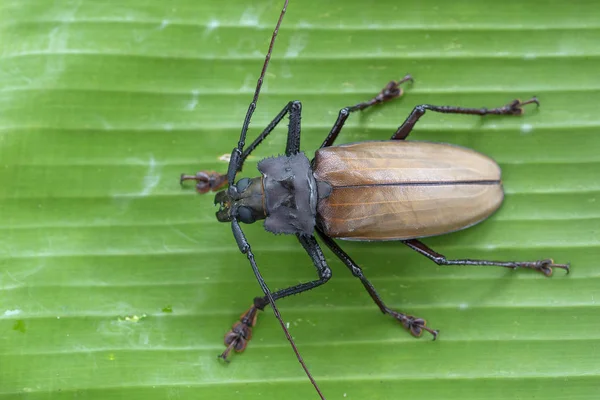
column 515, row 107
column 206, row 181
column 392, row 89
column 545, row 266
column 414, row 325
column 240, row 334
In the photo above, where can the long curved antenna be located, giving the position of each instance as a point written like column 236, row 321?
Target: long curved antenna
column 237, row 152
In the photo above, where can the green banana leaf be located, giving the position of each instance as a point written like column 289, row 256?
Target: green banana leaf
column 116, row 283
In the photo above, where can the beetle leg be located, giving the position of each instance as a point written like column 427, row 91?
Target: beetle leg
column 543, row 266
column 206, row 181
column 316, row 254
column 512, row 108
column 212, row 181
column 414, row 325
column 294, row 108
column 244, row 247
column 389, row 92
column 240, row 334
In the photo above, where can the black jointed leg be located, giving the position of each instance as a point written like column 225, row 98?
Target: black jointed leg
column 391, row 91
column 237, row 338
column 316, row 254
column 207, row 181
column 293, row 142
column 240, row 337
column 543, row 266
column 294, row 108
column 512, row 108
column 293, row 138
column 414, row 325
column 312, row 248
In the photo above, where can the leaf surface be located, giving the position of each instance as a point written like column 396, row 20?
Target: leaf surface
column 117, row 283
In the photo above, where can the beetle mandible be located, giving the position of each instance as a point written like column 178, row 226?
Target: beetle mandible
column 368, row 191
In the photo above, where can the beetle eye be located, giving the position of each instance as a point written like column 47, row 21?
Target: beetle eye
column 243, row 184
column 245, row 215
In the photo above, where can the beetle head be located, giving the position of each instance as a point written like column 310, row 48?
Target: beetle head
column 244, row 201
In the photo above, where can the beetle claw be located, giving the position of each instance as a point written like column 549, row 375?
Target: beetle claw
column 393, row 89
column 206, row 181
column 515, row 107
column 545, row 266
column 414, row 325
column 240, row 334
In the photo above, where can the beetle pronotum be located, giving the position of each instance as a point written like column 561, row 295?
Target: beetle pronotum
column 368, row 191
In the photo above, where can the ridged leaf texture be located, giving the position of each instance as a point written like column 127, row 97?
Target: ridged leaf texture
column 117, row 283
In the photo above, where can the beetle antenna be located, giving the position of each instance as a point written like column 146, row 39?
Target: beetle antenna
column 252, row 106
column 236, row 159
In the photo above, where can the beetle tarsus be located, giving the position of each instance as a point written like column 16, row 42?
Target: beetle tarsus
column 414, row 325
column 240, row 334
column 545, row 266
column 515, row 107
column 391, row 91
column 206, row 181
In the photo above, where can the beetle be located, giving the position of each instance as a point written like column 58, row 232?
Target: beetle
column 387, row 190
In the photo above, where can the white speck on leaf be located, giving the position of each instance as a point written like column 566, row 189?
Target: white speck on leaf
column 163, row 24
column 10, row 313
column 526, row 128
column 212, row 25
